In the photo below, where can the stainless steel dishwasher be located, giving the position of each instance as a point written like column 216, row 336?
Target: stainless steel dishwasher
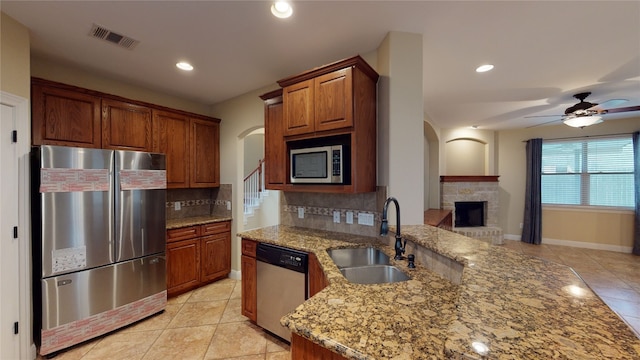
column 282, row 285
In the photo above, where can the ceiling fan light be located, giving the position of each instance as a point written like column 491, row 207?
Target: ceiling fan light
column 582, row 121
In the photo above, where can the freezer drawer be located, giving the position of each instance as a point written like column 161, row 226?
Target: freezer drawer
column 79, row 295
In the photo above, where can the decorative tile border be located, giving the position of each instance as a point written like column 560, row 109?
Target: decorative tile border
column 199, row 202
column 323, row 211
column 73, row 333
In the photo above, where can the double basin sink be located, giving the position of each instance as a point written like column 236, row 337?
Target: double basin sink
column 366, row 266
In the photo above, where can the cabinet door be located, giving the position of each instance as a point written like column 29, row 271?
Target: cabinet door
column 275, row 150
column 64, row 117
column 171, row 137
column 298, row 108
column 205, row 154
column 126, row 126
column 317, row 280
column 183, row 266
column 216, row 257
column 333, row 100
column 249, row 287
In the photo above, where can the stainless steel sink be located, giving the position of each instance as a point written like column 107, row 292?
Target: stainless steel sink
column 344, row 258
column 374, row 274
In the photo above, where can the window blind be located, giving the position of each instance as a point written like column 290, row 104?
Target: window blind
column 588, row 172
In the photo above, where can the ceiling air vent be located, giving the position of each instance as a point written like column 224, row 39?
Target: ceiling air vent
column 105, row 34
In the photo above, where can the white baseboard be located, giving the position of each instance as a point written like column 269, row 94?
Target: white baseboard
column 578, row 244
column 235, row 275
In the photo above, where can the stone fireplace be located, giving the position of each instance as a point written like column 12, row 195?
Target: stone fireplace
column 482, row 191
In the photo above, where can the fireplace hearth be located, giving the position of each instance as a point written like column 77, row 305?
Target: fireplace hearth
column 469, row 213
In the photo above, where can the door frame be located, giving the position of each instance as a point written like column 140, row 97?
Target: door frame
column 22, row 120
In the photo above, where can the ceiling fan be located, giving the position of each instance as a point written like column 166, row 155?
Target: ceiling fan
column 586, row 113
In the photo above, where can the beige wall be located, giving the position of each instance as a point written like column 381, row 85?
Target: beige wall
column 400, row 123
column 599, row 229
column 14, row 57
column 466, row 157
column 240, row 116
column 68, row 74
column 449, row 163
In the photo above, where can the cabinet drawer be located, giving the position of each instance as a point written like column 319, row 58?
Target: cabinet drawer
column 216, row 228
column 249, row 247
column 183, row 233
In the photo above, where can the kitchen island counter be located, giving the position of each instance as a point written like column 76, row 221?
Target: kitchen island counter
column 506, row 305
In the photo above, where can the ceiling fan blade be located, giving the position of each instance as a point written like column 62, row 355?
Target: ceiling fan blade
column 608, row 104
column 622, row 109
column 535, row 116
column 544, row 123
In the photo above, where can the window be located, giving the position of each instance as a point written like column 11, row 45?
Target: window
column 588, row 172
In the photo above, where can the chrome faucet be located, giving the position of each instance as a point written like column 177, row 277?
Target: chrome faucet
column 384, row 228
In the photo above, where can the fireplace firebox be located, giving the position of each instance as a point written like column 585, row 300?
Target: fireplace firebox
column 469, row 213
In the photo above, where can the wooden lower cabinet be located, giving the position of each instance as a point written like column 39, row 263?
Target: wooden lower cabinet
column 216, row 257
column 183, row 265
column 302, row 348
column 317, row 280
column 197, row 255
column 249, row 277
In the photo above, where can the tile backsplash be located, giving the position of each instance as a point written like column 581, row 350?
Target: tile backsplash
column 319, row 207
column 199, row 202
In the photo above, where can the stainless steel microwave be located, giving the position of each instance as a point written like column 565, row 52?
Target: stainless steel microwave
column 317, row 165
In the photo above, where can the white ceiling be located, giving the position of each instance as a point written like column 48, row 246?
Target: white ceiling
column 544, row 51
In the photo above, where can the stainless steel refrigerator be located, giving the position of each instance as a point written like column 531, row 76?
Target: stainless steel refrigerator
column 99, row 233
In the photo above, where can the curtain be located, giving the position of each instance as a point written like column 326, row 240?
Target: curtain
column 532, row 223
column 636, row 177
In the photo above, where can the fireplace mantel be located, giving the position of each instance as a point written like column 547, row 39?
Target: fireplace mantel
column 469, row 178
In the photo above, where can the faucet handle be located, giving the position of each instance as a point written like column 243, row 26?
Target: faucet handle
column 411, row 258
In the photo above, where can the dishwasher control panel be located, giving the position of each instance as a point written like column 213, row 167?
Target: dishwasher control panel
column 287, row 258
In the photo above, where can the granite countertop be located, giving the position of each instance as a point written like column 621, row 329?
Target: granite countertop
column 507, row 306
column 197, row 220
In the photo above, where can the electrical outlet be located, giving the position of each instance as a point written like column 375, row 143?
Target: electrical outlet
column 300, row 212
column 176, row 205
column 365, row 219
column 349, row 217
column 228, row 205
column 521, row 225
column 336, row 217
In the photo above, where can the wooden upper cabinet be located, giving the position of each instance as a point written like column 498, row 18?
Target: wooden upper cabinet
column 205, row 154
column 322, row 106
column 64, row 117
column 171, row 137
column 333, row 105
column 275, row 150
column 126, row 126
column 299, row 115
column 326, row 98
column 319, row 104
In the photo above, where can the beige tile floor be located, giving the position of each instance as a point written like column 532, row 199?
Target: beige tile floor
column 203, row 324
column 613, row 276
column 206, row 324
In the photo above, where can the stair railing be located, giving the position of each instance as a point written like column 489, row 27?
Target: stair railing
column 253, row 187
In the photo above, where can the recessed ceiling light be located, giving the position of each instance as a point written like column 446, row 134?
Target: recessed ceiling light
column 484, row 68
column 281, row 9
column 182, row 65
